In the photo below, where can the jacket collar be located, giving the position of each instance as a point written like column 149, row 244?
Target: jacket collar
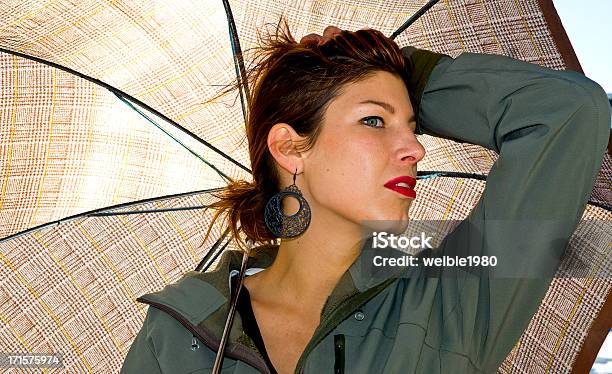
column 202, row 299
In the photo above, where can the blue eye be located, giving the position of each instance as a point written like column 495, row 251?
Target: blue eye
column 371, row 121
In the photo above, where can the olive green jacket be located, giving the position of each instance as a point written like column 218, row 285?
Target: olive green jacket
column 550, row 129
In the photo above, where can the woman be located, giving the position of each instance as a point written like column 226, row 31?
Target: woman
column 335, row 118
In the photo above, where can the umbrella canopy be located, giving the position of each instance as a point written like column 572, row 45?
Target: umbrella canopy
column 110, row 146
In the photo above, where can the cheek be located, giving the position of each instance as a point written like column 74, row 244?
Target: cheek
column 349, row 172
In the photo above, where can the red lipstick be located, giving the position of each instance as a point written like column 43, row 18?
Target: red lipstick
column 406, row 187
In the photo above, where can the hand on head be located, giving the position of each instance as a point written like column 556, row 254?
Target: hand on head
column 328, row 34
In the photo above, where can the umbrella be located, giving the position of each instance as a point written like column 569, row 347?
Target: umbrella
column 112, row 141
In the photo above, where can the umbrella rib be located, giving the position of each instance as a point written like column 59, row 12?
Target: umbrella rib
column 238, row 60
column 420, row 175
column 145, row 116
column 426, row 174
column 414, row 17
column 601, row 205
column 100, row 210
column 118, row 92
column 124, row 213
column 210, row 257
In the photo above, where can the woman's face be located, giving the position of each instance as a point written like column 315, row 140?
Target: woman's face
column 367, row 138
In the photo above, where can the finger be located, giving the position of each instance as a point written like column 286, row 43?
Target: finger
column 331, row 31
column 323, row 41
column 311, row 39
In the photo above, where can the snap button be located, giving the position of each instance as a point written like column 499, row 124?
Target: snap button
column 359, row 316
column 194, row 343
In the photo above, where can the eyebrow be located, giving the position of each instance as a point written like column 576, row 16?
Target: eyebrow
column 388, row 107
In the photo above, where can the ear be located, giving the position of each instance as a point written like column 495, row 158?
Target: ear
column 283, row 144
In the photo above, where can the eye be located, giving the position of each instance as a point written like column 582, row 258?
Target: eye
column 372, row 120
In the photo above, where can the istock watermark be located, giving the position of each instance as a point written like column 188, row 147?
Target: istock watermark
column 494, row 248
column 398, row 244
column 415, row 261
column 389, row 240
column 31, row 360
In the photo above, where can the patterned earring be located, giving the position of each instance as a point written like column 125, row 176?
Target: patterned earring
column 284, row 226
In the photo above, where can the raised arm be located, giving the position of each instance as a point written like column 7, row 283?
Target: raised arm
column 550, row 129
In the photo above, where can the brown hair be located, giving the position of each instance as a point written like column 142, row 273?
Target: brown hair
column 294, row 83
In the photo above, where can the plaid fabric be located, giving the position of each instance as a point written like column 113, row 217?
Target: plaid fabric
column 74, row 289
column 602, row 189
column 554, row 336
column 68, row 146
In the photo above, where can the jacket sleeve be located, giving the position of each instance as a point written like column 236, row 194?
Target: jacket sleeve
column 141, row 357
column 550, row 130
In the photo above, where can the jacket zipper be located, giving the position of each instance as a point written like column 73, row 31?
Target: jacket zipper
column 204, row 336
column 316, row 340
column 339, row 354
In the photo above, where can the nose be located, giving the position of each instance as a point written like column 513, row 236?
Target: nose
column 410, row 150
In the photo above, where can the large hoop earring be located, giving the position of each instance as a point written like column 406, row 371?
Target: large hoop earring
column 284, row 226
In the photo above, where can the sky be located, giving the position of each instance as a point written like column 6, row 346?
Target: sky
column 585, row 24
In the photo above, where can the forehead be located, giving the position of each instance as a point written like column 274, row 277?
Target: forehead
column 378, row 86
column 381, row 86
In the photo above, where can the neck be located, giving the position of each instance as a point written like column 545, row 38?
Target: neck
column 307, row 268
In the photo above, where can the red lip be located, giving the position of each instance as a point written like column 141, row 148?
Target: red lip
column 410, row 181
